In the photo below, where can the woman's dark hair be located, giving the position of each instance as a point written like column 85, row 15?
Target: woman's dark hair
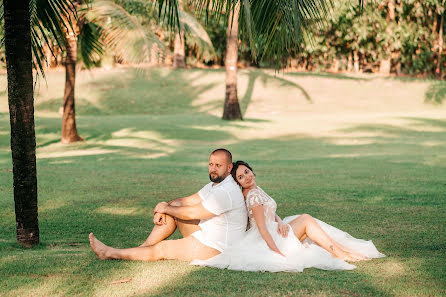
column 235, row 165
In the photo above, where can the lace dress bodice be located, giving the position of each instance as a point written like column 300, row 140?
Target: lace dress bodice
column 257, row 197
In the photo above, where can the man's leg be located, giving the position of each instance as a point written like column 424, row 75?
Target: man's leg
column 161, row 232
column 186, row 249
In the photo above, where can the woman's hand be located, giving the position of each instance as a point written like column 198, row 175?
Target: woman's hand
column 283, row 229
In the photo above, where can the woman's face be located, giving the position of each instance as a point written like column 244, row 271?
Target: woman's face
column 245, row 177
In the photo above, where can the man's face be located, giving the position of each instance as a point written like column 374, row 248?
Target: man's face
column 219, row 167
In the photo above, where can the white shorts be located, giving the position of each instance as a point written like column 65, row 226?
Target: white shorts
column 202, row 238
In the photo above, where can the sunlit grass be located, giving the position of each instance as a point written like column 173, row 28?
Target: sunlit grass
column 367, row 155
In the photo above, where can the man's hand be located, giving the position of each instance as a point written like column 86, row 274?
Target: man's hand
column 159, row 218
column 283, row 229
column 161, row 207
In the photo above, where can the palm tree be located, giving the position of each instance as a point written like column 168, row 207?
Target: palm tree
column 21, row 109
column 104, row 23
column 179, row 55
column 231, row 109
column 69, row 130
column 273, row 29
column 21, row 38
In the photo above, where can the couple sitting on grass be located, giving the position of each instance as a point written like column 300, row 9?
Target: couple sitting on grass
column 213, row 224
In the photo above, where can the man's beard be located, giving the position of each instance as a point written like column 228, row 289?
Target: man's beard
column 217, row 179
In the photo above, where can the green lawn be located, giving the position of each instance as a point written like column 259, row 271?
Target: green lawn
column 365, row 154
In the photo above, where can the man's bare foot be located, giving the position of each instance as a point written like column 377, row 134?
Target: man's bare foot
column 100, row 249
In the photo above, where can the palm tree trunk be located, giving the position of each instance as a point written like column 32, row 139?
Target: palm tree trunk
column 179, row 56
column 385, row 64
column 21, row 111
column 232, row 108
column 440, row 44
column 69, row 131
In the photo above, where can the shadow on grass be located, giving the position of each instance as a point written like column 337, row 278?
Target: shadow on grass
column 436, row 93
column 328, row 75
column 83, row 106
column 264, row 77
column 154, row 92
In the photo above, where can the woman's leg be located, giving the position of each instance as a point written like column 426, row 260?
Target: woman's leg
column 187, row 249
column 306, row 226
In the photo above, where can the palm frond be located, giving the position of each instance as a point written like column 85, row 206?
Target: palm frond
column 197, row 35
column 122, row 32
column 47, row 17
column 90, row 45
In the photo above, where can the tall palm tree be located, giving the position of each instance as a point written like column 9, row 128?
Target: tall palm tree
column 69, row 130
column 21, row 109
column 21, row 39
column 231, row 110
column 179, row 45
column 104, row 23
column 273, row 29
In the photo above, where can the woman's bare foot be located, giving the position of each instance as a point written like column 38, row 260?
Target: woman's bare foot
column 352, row 257
column 100, row 249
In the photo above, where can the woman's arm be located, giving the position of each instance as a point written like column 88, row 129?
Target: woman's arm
column 282, row 228
column 259, row 215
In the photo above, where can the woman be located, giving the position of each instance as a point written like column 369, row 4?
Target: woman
column 293, row 244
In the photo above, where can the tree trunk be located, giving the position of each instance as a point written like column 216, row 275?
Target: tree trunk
column 179, row 56
column 440, row 45
column 356, row 61
column 350, row 62
column 386, row 63
column 69, row 131
column 21, row 111
column 384, row 66
column 232, row 108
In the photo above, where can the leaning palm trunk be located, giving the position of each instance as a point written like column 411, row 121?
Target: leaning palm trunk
column 69, row 130
column 179, row 56
column 21, row 111
column 232, row 108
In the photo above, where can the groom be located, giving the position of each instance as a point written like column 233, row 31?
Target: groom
column 209, row 220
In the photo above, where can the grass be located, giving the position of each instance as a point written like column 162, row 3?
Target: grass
column 365, row 155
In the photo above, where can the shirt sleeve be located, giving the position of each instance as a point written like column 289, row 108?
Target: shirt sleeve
column 255, row 198
column 204, row 191
column 218, row 202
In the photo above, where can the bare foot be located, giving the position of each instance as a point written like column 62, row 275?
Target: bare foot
column 353, row 257
column 99, row 248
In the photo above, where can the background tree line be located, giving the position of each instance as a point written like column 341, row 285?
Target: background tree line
column 390, row 36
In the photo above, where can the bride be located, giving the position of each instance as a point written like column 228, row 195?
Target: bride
column 293, row 244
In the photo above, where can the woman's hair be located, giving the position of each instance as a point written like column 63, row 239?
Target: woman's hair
column 236, row 165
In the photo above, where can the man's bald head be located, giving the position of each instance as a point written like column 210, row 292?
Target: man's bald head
column 227, row 154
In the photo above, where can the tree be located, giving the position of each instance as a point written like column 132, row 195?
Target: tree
column 231, row 109
column 179, row 56
column 21, row 110
column 69, row 130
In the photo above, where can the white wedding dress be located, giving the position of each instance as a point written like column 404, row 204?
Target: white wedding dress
column 251, row 253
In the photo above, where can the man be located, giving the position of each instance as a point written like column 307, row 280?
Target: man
column 209, row 220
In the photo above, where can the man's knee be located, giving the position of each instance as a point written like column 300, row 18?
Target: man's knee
column 170, row 220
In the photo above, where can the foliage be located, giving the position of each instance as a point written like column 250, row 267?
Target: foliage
column 410, row 40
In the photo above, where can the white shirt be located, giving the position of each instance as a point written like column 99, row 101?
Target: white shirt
column 226, row 201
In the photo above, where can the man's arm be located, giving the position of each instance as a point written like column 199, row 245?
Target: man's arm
column 193, row 212
column 186, row 201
